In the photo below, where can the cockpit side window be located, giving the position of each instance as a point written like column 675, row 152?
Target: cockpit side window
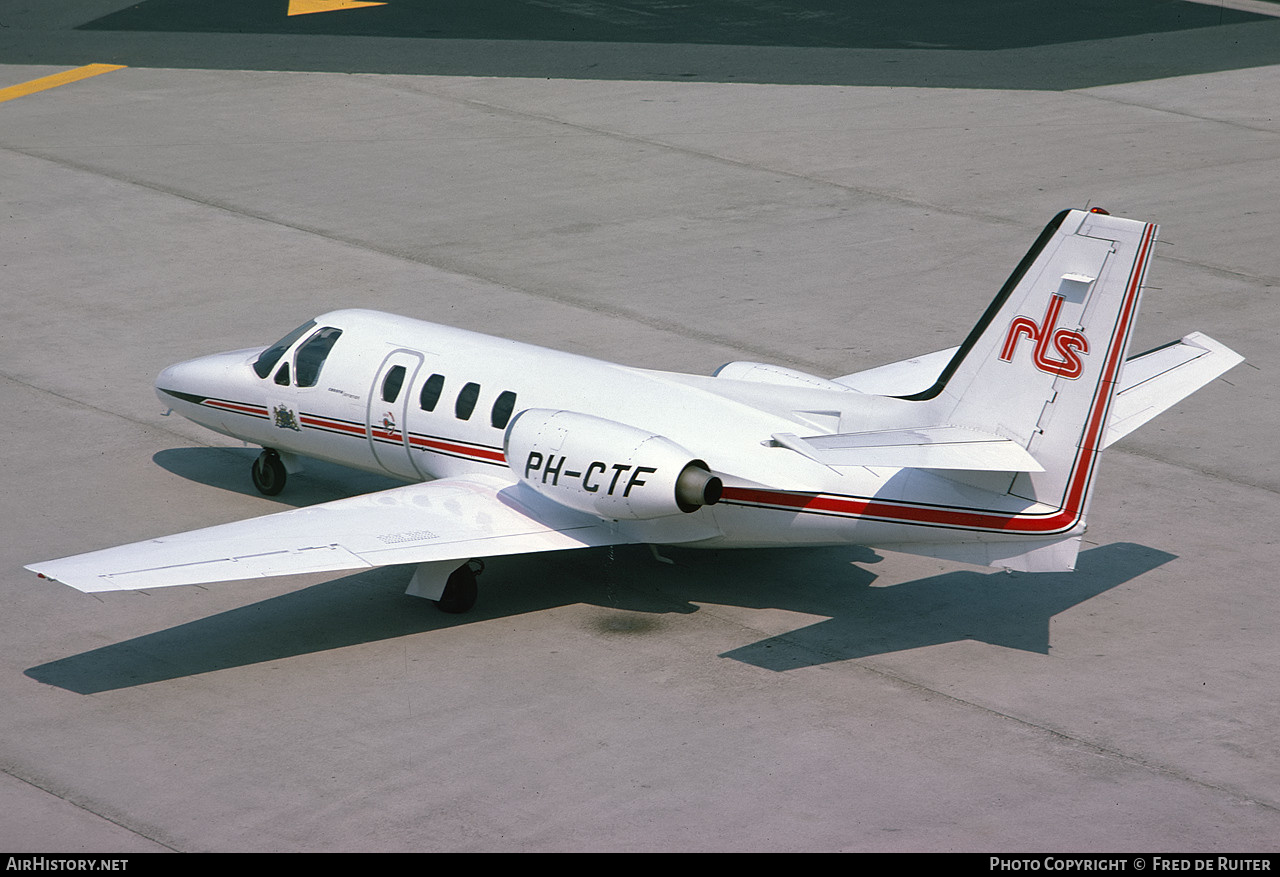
column 312, row 354
column 267, row 360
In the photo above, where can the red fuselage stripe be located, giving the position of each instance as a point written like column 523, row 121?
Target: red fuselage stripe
column 488, row 455
column 333, row 425
column 237, row 407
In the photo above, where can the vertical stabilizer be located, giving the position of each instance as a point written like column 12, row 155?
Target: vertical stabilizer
column 1042, row 365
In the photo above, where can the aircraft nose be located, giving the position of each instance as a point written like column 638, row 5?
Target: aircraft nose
column 198, row 379
column 186, row 380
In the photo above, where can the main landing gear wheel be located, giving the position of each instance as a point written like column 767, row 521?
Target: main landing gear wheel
column 460, row 588
column 268, row 473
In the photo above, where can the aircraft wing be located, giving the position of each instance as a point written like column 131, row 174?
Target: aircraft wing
column 449, row 519
column 1158, row 379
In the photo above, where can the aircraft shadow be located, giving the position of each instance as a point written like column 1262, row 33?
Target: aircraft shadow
column 1011, row 610
column 228, row 469
column 1001, row 608
column 365, row 607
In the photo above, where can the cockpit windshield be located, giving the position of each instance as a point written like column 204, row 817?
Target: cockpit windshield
column 312, row 354
column 269, row 357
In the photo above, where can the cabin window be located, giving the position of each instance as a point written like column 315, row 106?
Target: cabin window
column 267, row 360
column 392, row 382
column 502, row 408
column 311, row 356
column 467, row 401
column 431, row 392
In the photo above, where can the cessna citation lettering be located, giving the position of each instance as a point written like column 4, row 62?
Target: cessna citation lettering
column 986, row 453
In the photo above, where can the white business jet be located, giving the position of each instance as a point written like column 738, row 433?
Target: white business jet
column 986, row 453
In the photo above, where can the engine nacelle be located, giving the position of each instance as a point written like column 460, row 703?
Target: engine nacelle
column 606, row 468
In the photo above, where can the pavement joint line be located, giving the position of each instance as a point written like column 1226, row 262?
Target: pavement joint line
column 1230, row 273
column 786, row 357
column 649, row 320
column 80, row 805
column 1099, row 749
column 782, row 357
column 45, row 83
column 886, row 196
column 720, row 159
column 1092, row 93
column 625, row 313
column 1199, row 470
column 106, row 411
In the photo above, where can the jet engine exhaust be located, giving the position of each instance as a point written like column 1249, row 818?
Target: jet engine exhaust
column 696, row 487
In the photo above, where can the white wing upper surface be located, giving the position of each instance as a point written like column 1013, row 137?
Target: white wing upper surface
column 453, row 518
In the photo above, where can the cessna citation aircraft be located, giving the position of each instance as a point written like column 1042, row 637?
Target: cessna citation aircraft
column 986, row 453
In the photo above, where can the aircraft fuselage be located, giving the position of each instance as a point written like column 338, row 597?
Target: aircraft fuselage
column 420, row 401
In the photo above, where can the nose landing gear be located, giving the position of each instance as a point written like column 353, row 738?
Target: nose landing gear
column 268, row 473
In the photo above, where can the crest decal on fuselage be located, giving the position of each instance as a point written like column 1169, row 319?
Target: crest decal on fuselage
column 286, row 419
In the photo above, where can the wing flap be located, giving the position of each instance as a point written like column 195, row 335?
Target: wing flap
column 934, row 447
column 1159, row 379
column 449, row 519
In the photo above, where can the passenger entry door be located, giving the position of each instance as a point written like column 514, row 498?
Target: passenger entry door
column 387, row 415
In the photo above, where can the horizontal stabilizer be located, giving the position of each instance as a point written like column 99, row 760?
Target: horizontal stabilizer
column 1159, row 379
column 933, row 447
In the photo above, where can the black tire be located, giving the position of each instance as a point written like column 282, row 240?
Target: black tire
column 268, row 473
column 459, row 591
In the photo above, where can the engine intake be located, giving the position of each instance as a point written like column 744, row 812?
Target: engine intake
column 607, row 468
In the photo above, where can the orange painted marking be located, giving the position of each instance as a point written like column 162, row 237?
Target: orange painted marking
column 307, row 7
column 47, row 82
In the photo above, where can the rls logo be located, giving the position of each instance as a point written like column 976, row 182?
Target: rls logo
column 1068, row 344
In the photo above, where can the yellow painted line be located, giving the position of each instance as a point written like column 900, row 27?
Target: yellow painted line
column 307, row 7
column 47, row 82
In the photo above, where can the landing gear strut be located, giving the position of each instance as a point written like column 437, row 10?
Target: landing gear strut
column 268, row 473
column 460, row 589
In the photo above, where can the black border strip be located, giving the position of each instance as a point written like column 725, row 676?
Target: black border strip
column 992, row 309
